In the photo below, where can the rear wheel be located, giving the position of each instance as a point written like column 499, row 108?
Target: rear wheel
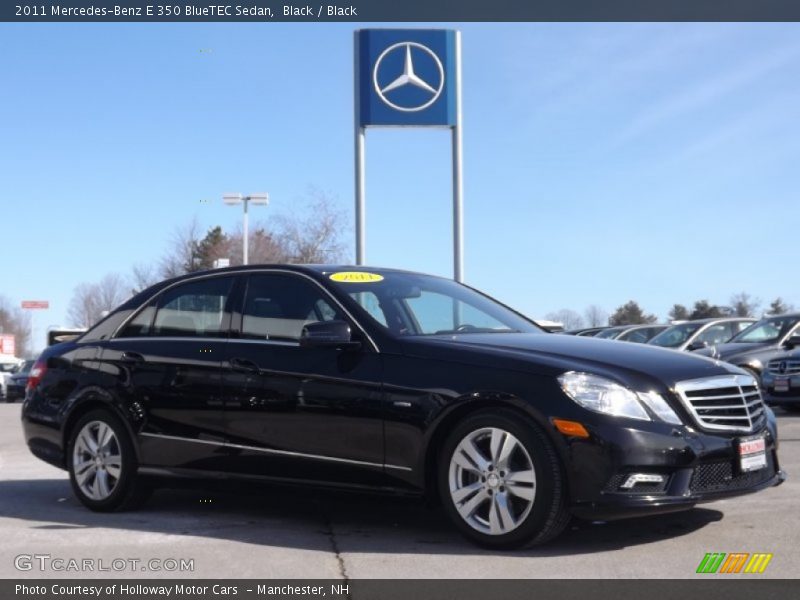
column 102, row 464
column 501, row 481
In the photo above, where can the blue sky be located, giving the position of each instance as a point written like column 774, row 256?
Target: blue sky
column 603, row 162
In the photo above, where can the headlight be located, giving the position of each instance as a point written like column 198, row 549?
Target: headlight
column 756, row 364
column 655, row 402
column 606, row 396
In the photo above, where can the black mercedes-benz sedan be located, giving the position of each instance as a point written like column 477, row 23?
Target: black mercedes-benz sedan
column 395, row 381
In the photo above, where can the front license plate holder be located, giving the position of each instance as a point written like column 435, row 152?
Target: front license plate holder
column 752, row 453
column 781, row 384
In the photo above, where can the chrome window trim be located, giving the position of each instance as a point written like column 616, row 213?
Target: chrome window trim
column 722, row 381
column 792, row 331
column 156, row 338
column 238, row 272
column 276, row 452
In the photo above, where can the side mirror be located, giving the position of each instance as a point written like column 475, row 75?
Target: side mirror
column 696, row 346
column 792, row 342
column 327, row 334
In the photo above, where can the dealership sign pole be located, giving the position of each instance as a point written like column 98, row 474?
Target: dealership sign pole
column 408, row 78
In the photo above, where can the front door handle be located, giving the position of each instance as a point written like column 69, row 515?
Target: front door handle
column 243, row 365
column 132, row 357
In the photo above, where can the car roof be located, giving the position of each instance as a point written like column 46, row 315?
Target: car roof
column 714, row 319
column 309, row 269
column 304, row 268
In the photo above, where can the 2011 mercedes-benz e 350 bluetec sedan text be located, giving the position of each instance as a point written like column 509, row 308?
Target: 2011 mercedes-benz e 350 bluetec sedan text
column 392, row 380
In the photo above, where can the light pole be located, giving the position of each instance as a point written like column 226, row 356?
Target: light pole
column 234, row 199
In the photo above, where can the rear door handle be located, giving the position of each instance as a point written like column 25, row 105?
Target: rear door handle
column 132, row 357
column 244, row 366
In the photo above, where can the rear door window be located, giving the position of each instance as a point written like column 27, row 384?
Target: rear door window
column 194, row 309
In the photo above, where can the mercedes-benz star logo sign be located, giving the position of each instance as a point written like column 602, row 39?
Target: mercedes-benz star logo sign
column 427, row 80
column 782, row 366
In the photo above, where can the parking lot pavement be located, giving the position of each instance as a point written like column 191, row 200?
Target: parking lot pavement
column 292, row 533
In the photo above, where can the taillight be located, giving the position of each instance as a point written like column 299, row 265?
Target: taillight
column 35, row 375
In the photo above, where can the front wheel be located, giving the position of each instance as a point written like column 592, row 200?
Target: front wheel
column 102, row 464
column 501, row 481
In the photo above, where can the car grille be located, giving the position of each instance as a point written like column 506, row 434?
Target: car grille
column 720, row 477
column 723, row 403
column 784, row 366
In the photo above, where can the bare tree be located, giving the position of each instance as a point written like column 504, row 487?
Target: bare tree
column 142, row 277
column 314, row 237
column 595, row 316
column 310, row 235
column 16, row 322
column 263, row 247
column 91, row 300
column 568, row 318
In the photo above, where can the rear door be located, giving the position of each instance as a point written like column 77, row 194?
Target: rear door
column 167, row 365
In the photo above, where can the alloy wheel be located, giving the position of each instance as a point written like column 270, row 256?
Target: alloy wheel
column 97, row 460
column 492, row 481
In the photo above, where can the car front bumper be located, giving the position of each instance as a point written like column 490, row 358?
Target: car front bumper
column 773, row 398
column 696, row 467
column 15, row 392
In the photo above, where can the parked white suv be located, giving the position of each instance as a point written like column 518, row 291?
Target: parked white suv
column 8, row 364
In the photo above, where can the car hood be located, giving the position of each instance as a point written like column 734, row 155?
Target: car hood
column 735, row 350
column 554, row 354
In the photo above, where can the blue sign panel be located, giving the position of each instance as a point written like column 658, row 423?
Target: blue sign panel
column 406, row 77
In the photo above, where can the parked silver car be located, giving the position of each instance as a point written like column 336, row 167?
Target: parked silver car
column 694, row 335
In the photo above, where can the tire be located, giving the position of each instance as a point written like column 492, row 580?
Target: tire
column 107, row 480
column 512, row 493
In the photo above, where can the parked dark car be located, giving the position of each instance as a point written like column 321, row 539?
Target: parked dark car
column 15, row 389
column 754, row 347
column 394, row 381
column 639, row 334
column 700, row 333
column 781, row 378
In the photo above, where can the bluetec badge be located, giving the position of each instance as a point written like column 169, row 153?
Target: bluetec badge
column 406, row 77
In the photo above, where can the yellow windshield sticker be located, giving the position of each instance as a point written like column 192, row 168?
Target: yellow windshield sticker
column 356, row 277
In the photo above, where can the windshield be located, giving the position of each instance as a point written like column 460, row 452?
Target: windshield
column 767, row 330
column 675, row 335
column 410, row 304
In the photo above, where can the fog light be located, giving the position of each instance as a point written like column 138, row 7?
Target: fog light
column 635, row 478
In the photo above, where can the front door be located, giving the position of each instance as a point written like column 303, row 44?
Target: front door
column 299, row 413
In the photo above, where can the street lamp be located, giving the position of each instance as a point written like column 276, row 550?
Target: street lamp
column 234, row 199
